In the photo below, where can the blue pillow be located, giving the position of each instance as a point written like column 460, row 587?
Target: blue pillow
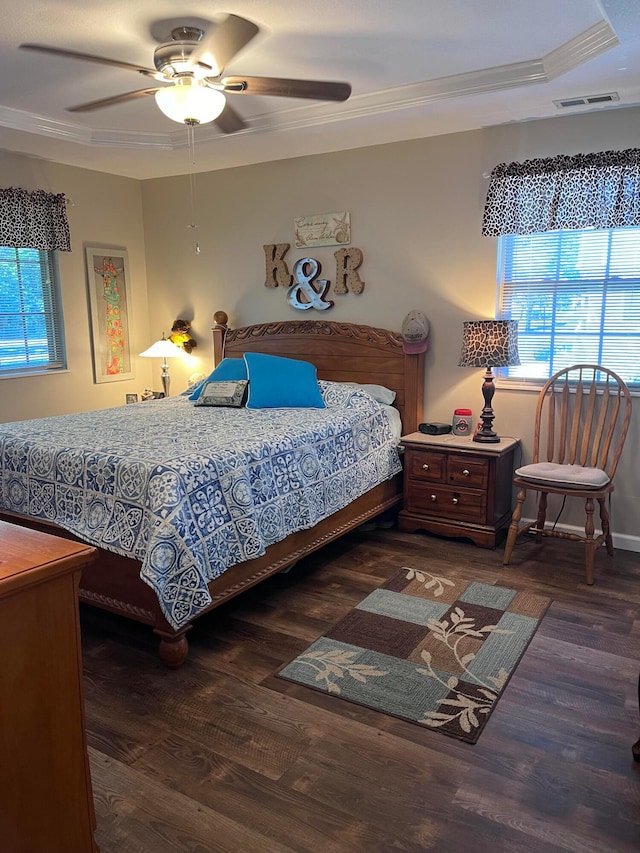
column 228, row 370
column 281, row 383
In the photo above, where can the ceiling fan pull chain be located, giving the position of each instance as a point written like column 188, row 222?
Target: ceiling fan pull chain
column 192, row 177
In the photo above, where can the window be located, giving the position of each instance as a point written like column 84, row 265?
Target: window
column 576, row 296
column 31, row 331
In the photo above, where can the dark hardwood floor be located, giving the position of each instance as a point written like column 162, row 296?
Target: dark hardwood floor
column 220, row 755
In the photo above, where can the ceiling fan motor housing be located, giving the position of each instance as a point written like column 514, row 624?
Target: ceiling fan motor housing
column 174, row 57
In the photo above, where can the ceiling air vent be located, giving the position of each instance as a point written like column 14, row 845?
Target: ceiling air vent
column 585, row 100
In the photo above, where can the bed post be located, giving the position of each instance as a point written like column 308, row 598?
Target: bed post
column 414, row 392
column 219, row 333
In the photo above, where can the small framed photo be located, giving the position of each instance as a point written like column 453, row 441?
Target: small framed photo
column 131, row 398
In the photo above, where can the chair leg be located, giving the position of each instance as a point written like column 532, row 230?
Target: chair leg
column 514, row 527
column 542, row 515
column 590, row 544
column 606, row 530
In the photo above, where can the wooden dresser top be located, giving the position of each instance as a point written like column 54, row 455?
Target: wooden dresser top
column 28, row 556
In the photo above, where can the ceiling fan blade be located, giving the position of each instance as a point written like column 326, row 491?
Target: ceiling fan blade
column 220, row 43
column 109, row 102
column 316, row 90
column 89, row 57
column 229, row 121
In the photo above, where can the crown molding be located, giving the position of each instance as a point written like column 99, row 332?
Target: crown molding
column 586, row 46
column 70, row 132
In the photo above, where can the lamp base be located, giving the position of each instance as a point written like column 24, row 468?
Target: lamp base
column 165, row 377
column 486, row 437
column 485, row 434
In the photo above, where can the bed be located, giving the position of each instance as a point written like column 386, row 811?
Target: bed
column 342, row 353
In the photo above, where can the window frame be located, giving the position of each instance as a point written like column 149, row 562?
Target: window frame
column 595, row 286
column 51, row 309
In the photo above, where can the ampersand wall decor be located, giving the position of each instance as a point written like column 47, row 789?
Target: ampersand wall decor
column 303, row 293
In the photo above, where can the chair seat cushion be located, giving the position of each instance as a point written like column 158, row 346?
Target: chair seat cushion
column 569, row 476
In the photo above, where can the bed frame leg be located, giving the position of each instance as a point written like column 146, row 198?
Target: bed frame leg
column 174, row 646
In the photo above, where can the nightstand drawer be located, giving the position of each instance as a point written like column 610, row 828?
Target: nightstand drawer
column 426, row 465
column 457, row 504
column 462, row 471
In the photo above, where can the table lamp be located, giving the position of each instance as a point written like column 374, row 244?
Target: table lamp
column 164, row 349
column 489, row 344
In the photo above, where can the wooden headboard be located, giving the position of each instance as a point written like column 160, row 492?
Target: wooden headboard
column 342, row 352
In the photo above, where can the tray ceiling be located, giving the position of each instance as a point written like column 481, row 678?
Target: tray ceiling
column 417, row 68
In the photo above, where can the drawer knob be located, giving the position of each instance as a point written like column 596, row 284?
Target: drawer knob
column 465, row 472
column 425, row 467
column 434, row 498
column 455, row 500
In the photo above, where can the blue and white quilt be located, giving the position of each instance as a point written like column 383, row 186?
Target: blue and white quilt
column 189, row 491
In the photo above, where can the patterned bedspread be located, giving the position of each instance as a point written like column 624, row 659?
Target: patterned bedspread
column 190, row 491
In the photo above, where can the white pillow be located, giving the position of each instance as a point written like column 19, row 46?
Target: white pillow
column 572, row 476
column 378, row 392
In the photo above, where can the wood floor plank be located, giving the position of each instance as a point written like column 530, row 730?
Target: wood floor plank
column 215, row 781
column 222, row 755
column 160, row 819
column 556, row 815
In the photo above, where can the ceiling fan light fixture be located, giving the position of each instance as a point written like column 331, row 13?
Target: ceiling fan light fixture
column 190, row 101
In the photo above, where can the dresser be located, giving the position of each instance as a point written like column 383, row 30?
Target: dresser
column 46, row 804
column 457, row 487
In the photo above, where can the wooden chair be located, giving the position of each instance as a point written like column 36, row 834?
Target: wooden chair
column 582, row 418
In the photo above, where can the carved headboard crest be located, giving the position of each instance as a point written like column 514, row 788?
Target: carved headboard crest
column 316, row 328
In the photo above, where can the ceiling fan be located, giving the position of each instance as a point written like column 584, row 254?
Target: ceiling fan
column 192, row 64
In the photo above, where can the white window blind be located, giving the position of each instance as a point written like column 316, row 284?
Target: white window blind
column 31, row 330
column 576, row 296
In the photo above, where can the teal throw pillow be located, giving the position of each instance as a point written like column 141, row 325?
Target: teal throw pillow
column 281, row 383
column 229, row 370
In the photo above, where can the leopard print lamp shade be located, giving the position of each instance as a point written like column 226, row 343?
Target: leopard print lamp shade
column 489, row 343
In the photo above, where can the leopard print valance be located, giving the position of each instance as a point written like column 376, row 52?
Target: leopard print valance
column 566, row 192
column 33, row 220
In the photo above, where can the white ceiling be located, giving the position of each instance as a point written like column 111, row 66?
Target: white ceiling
column 417, row 68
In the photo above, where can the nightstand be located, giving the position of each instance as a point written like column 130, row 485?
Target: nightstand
column 455, row 486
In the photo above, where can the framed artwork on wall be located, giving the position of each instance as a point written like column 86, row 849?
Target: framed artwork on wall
column 108, row 281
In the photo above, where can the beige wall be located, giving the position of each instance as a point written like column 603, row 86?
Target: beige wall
column 416, row 209
column 105, row 211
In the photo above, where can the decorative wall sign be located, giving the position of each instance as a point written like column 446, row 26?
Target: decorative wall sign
column 306, row 290
column 108, row 278
column 323, row 229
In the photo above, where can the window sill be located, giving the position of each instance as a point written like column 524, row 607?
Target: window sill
column 44, row 372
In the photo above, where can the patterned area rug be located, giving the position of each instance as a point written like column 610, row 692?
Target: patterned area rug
column 433, row 650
